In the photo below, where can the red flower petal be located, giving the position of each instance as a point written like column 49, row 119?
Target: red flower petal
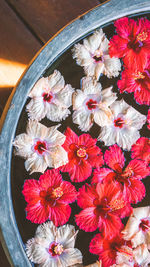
column 134, row 192
column 60, row 214
column 37, row 213
column 87, row 194
column 69, row 193
column 138, row 168
column 51, row 178
column 114, row 158
column 87, row 220
column 31, row 191
column 71, row 138
column 141, row 149
column 102, row 175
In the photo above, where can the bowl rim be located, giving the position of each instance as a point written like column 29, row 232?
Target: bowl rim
column 54, row 48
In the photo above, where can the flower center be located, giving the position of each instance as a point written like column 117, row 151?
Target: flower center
column 145, row 225
column 119, row 122
column 139, row 75
column 91, row 104
column 57, row 192
column 98, row 56
column 40, row 147
column 47, row 97
column 128, row 173
column 56, row 249
column 117, row 204
column 142, row 36
column 81, row 152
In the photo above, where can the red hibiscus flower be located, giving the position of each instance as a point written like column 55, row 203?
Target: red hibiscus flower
column 128, row 178
column 103, row 205
column 48, row 198
column 107, row 249
column 141, row 149
column 83, row 154
column 137, row 80
column 132, row 42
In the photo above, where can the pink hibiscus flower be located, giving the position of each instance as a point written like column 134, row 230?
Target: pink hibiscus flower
column 132, row 42
column 141, row 149
column 83, row 154
column 137, row 80
column 103, row 205
column 128, row 178
column 48, row 198
column 107, row 249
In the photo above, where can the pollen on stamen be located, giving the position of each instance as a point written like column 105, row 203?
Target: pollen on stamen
column 81, row 152
column 139, row 75
column 117, row 204
column 142, row 36
column 57, row 192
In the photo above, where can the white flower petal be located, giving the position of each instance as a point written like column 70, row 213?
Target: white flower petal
column 82, row 55
column 135, row 118
column 108, row 96
column 83, row 119
column 57, row 113
column 65, row 96
column 90, row 86
column 56, row 82
column 71, row 257
column 142, row 255
column 59, row 157
column 78, row 99
column 41, row 86
column 131, row 228
column 23, row 143
column 66, row 234
column 141, row 212
column 36, row 109
column 112, row 66
column 102, row 117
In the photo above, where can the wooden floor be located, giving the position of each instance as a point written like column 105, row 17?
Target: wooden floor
column 25, row 26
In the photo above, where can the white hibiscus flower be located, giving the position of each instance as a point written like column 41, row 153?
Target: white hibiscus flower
column 54, row 247
column 138, row 227
column 94, row 57
column 41, row 147
column 50, row 98
column 91, row 104
column 139, row 256
column 124, row 126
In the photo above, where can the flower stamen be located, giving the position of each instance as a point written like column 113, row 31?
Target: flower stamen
column 81, row 152
column 117, row 204
column 139, row 75
column 57, row 192
column 142, row 36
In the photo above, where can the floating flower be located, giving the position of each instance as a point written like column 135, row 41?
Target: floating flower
column 103, row 205
column 54, row 247
column 127, row 178
column 124, row 126
column 132, row 42
column 141, row 149
column 94, row 57
column 92, row 105
column 137, row 229
column 50, row 98
column 107, row 249
column 41, row 147
column 140, row 257
column 148, row 119
column 48, row 198
column 83, row 154
column 137, row 80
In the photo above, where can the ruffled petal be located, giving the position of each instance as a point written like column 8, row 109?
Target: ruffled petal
column 114, row 158
column 87, row 220
column 60, row 214
column 87, row 194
